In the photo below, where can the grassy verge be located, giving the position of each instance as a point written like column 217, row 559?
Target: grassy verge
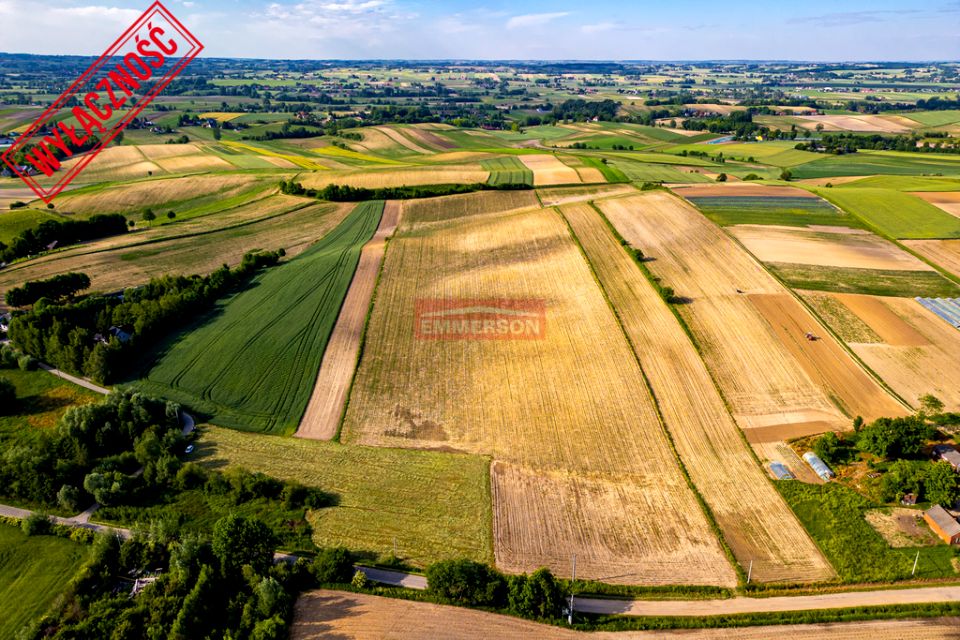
column 41, row 399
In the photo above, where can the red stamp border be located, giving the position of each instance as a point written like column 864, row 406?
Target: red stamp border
column 154, row 10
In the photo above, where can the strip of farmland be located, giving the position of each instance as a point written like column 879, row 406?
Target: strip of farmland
column 322, row 417
column 251, row 363
column 582, row 464
column 761, row 380
column 757, row 524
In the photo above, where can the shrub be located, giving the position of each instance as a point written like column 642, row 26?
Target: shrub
column 36, row 524
column 536, row 596
column 68, row 497
column 467, row 582
column 8, row 397
column 333, row 565
column 27, row 363
column 894, row 438
column 722, row 177
column 360, row 580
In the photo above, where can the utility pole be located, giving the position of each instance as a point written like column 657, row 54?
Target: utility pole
column 915, row 561
column 395, row 547
column 573, row 582
column 750, row 572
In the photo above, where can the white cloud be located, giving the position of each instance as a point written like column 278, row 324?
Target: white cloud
column 112, row 13
column 598, row 27
column 534, row 19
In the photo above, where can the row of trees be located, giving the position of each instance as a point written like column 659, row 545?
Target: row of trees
column 62, row 232
column 55, row 289
column 841, row 143
column 66, row 335
column 346, row 193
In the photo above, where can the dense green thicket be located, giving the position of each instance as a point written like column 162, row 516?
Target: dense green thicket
column 67, row 335
column 55, row 289
column 62, row 232
column 346, row 193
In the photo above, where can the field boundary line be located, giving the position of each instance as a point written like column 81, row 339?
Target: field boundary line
column 707, row 512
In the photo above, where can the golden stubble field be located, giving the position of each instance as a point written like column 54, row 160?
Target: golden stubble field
column 756, row 522
column 582, row 463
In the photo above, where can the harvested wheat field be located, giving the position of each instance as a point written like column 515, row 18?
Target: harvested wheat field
column 446, row 208
column 322, row 417
column 740, row 190
column 824, row 359
column 570, row 406
column 863, row 123
column 825, row 247
column 949, row 201
column 756, row 522
column 943, row 253
column 403, row 140
column 293, row 227
column 554, row 196
column 919, row 352
column 548, row 170
column 358, row 616
column 394, row 177
column 150, row 193
column 113, row 163
column 759, row 377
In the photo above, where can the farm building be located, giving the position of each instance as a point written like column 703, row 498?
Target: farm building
column 948, row 454
column 819, row 466
column 780, row 471
column 943, row 524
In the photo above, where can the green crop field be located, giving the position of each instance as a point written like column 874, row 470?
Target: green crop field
column 791, row 211
column 935, row 118
column 833, row 515
column 904, row 183
column 777, row 153
column 16, row 221
column 284, row 320
column 877, row 282
column 433, row 505
column 866, row 163
column 644, row 172
column 507, row 170
column 895, row 213
column 34, row 571
column 609, row 171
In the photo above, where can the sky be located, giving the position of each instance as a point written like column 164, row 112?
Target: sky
column 827, row 30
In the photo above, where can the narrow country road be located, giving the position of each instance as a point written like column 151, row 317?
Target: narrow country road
column 75, row 380
column 395, row 578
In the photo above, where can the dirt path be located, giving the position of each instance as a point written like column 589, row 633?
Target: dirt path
column 337, row 614
column 322, row 417
column 86, row 384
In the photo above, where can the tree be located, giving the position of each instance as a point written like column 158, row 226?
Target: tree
column 467, row 582
column 903, row 477
column 894, row 438
column 830, row 448
column 238, row 541
column 786, row 174
column 942, row 484
column 930, row 405
column 69, row 498
column 8, row 397
column 722, row 177
column 536, row 596
column 149, row 215
column 332, row 565
column 171, row 215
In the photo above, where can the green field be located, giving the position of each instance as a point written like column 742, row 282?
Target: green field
column 34, row 571
column 877, row 282
column 895, row 213
column 643, row 172
column 833, row 515
column 41, row 399
column 777, row 153
column 16, row 221
column 508, row 170
column 778, row 210
column 867, row 163
column 609, row 171
column 252, row 363
column 904, row 183
column 934, row 118
column 433, row 505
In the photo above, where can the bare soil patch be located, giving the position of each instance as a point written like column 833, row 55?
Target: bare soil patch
column 902, row 527
column 322, row 416
column 891, row 328
column 949, row 201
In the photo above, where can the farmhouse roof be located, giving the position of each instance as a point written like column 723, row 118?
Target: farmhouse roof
column 947, row 523
column 948, row 453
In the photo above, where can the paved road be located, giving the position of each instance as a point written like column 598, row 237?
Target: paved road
column 75, row 380
column 395, row 578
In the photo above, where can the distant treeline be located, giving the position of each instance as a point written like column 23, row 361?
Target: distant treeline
column 77, row 337
column 65, row 285
column 841, row 143
column 345, row 193
column 63, row 232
